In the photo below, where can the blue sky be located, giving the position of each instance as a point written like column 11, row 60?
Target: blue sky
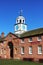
column 9, row 11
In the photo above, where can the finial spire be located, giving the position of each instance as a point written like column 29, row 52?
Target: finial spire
column 21, row 12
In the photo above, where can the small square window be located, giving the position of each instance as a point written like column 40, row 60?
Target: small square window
column 22, row 40
column 39, row 38
column 30, row 39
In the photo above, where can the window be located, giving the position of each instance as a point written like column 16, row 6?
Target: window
column 22, row 40
column 30, row 50
column 30, row 39
column 23, row 21
column 22, row 50
column 39, row 49
column 17, row 20
column 20, row 20
column 39, row 38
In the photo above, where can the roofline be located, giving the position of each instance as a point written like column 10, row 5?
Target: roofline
column 12, row 34
column 20, row 23
column 32, row 35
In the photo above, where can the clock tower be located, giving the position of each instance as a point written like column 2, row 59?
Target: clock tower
column 20, row 26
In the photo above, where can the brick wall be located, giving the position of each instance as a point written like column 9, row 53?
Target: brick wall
column 17, row 48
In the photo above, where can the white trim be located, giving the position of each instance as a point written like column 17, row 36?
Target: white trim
column 22, row 41
column 39, row 49
column 39, row 53
column 30, row 50
column 22, row 51
column 29, row 39
column 39, row 39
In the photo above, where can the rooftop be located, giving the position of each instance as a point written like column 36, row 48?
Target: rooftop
column 32, row 32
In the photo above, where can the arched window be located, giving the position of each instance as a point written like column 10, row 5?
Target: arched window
column 23, row 21
column 20, row 20
column 17, row 21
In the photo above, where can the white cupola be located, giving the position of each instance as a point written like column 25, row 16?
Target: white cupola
column 20, row 26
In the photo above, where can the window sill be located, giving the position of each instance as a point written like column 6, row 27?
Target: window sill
column 39, row 53
column 29, row 41
column 39, row 40
column 22, row 42
column 30, row 53
column 22, row 53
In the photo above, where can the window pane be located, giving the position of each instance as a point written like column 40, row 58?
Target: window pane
column 23, row 21
column 30, row 39
column 30, row 50
column 39, row 49
column 20, row 20
column 22, row 40
column 39, row 38
column 22, row 50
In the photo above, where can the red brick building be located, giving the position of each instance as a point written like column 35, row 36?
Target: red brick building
column 23, row 44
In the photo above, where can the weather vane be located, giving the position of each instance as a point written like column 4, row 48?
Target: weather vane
column 21, row 11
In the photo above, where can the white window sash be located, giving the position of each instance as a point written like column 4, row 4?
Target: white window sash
column 22, row 51
column 30, row 50
column 39, row 50
column 22, row 41
column 39, row 39
column 30, row 40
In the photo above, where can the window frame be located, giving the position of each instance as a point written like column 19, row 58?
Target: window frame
column 39, row 49
column 30, row 39
column 39, row 38
column 22, row 50
column 20, row 21
column 30, row 50
column 22, row 40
